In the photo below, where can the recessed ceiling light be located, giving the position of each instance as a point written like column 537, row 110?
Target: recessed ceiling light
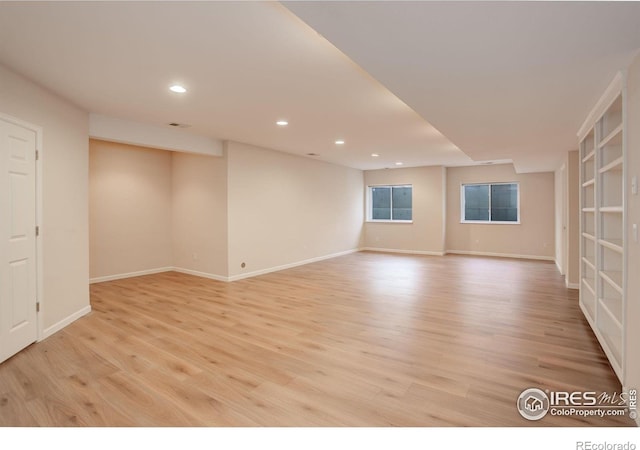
column 177, row 88
column 375, row 155
column 398, row 163
column 340, row 142
column 282, row 123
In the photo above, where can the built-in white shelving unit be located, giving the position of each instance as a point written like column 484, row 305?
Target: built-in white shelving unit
column 602, row 217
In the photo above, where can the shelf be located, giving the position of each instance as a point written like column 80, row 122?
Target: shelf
column 611, row 331
column 589, row 156
column 613, row 165
column 614, row 307
column 591, row 182
column 603, row 260
column 590, row 284
column 589, row 263
column 614, row 278
column 589, row 236
column 613, row 244
column 611, row 136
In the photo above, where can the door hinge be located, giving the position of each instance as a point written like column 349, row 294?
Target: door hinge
column 37, row 231
column 37, row 155
column 37, row 306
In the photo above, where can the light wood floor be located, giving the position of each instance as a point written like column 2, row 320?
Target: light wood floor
column 362, row 340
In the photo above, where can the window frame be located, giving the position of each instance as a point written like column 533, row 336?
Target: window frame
column 489, row 222
column 370, row 203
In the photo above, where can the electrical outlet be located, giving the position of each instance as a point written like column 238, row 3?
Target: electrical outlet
column 194, row 256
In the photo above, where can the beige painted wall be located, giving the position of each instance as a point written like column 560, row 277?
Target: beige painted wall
column 632, row 377
column 534, row 236
column 285, row 209
column 426, row 233
column 560, row 187
column 65, row 228
column 572, row 252
column 153, row 209
column 199, row 212
column 130, row 209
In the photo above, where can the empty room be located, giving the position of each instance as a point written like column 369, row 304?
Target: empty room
column 319, row 214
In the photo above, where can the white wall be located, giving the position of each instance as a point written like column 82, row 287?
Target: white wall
column 64, row 163
column 426, row 233
column 285, row 209
column 153, row 210
column 199, row 212
column 130, row 209
column 533, row 237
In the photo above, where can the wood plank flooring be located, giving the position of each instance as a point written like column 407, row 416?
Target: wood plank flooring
column 367, row 339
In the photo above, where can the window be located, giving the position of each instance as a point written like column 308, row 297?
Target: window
column 490, row 203
column 390, row 203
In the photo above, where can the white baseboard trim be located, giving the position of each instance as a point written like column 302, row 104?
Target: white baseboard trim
column 409, row 252
column 120, row 276
column 290, row 265
column 212, row 276
column 500, row 255
column 64, row 322
column 558, row 266
column 196, row 273
column 572, row 285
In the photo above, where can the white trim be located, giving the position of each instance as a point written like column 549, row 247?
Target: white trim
column 290, row 265
column 218, row 277
column 39, row 214
column 65, row 322
column 409, row 252
column 210, row 276
column 572, row 285
column 488, row 222
column 500, row 255
column 558, row 266
column 369, row 205
column 608, row 97
column 129, row 275
column 388, row 221
column 444, row 208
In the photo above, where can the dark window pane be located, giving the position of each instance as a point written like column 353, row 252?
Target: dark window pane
column 504, row 203
column 381, row 203
column 402, row 203
column 476, row 202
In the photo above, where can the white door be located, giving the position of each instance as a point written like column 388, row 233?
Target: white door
column 18, row 316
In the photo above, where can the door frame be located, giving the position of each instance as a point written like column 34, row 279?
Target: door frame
column 39, row 212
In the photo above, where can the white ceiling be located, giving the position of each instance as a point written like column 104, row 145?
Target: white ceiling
column 501, row 80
